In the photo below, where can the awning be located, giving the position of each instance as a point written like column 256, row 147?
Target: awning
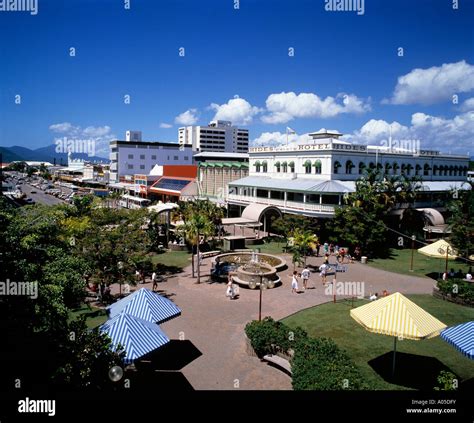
column 277, row 164
column 434, row 216
column 137, row 336
column 147, row 305
column 291, row 164
column 395, row 315
column 307, row 163
column 461, row 337
column 438, row 250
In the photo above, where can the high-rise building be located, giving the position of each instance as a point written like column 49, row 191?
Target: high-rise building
column 219, row 135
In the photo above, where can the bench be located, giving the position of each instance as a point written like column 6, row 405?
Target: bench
column 279, row 362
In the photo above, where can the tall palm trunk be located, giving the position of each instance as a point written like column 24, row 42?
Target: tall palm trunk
column 192, row 261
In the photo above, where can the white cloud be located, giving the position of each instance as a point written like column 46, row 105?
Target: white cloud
column 286, row 106
column 165, row 125
column 96, row 131
column 468, row 105
column 433, row 85
column 271, row 139
column 99, row 135
column 237, row 110
column 433, row 132
column 189, row 117
column 62, row 128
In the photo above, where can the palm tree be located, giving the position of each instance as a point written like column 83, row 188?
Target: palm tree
column 196, row 226
column 304, row 241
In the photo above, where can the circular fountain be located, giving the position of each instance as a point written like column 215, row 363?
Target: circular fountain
column 248, row 268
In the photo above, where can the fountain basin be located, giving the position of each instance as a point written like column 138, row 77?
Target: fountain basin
column 248, row 269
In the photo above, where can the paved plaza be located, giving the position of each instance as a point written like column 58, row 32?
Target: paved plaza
column 215, row 324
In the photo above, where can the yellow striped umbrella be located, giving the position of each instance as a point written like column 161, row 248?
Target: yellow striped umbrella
column 397, row 316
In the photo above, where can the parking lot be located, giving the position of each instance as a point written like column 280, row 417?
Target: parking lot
column 38, row 190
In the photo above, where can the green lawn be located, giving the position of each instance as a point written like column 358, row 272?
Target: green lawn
column 94, row 316
column 173, row 259
column 271, row 247
column 333, row 321
column 400, row 260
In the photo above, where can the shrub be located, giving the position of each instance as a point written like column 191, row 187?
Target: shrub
column 270, row 337
column 457, row 288
column 447, row 381
column 319, row 364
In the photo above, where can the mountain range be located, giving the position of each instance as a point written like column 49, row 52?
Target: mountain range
column 43, row 154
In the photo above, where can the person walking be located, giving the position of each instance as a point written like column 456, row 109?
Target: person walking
column 323, row 269
column 294, row 282
column 154, row 280
column 318, row 247
column 230, row 289
column 305, row 274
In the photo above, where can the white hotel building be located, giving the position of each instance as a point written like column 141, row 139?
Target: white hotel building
column 311, row 178
column 218, row 136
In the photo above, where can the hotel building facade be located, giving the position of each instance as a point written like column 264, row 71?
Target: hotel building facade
column 312, row 178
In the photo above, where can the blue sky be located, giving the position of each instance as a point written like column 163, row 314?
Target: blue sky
column 238, row 52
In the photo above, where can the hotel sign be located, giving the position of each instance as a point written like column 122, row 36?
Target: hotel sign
column 311, row 147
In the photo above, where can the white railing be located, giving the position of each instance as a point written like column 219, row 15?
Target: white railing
column 282, row 203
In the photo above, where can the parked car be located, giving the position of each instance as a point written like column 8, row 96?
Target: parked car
column 33, row 192
column 29, row 201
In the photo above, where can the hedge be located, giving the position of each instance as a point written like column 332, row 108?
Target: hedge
column 317, row 363
column 457, row 288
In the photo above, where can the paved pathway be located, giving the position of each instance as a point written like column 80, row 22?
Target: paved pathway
column 215, row 324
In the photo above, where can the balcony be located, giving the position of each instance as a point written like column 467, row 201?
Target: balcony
column 113, row 156
column 284, row 205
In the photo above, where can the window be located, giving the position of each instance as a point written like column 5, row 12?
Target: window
column 388, row 166
column 278, row 167
column 285, row 167
column 142, row 157
column 130, row 166
column 186, row 158
column 337, row 165
column 317, row 167
column 142, row 167
column 130, row 156
column 264, row 167
column 435, row 170
column 395, row 166
column 153, row 157
column 349, row 166
column 307, row 166
column 361, row 168
column 292, row 167
column 175, row 158
column 417, row 169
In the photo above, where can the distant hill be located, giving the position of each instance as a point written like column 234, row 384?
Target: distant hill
column 43, row 154
column 9, row 156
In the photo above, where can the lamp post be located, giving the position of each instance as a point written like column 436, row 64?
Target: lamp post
column 413, row 238
column 262, row 287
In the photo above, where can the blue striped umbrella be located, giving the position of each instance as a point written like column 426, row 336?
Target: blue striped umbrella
column 461, row 337
column 137, row 336
column 146, row 305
